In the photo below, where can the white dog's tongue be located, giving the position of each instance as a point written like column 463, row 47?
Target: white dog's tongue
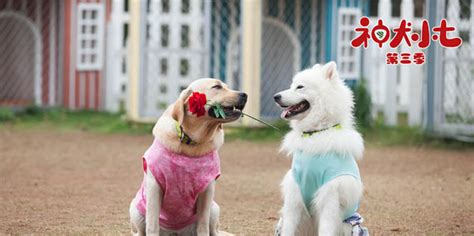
column 284, row 113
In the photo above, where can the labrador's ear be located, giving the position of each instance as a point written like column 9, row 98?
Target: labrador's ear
column 331, row 70
column 179, row 106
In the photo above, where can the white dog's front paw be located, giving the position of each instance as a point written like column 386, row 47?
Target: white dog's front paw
column 223, row 233
column 278, row 227
column 203, row 231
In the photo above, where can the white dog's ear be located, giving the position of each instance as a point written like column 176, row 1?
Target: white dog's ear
column 316, row 66
column 331, row 70
column 179, row 106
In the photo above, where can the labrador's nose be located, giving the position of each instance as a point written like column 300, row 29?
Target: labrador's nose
column 277, row 97
column 242, row 99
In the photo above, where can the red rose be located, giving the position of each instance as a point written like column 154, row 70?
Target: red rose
column 196, row 103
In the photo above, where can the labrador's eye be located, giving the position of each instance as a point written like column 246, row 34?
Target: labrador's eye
column 300, row 87
column 217, row 86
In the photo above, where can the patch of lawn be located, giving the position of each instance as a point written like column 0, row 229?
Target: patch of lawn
column 381, row 135
column 63, row 120
column 101, row 122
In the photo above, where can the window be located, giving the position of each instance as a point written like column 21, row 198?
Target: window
column 396, row 4
column 90, row 36
column 148, row 5
column 124, row 66
column 420, row 8
column 125, row 5
column 163, row 89
column 165, row 6
column 184, row 36
column 184, row 67
column 201, row 36
column 185, row 6
column 147, row 32
column 465, row 9
column 164, row 66
column 165, row 32
column 125, row 35
column 203, row 7
column 348, row 58
column 160, row 105
column 373, row 8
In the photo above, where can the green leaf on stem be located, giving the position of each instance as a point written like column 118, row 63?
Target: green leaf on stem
column 218, row 110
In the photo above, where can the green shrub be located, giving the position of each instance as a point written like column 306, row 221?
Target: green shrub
column 32, row 110
column 6, row 114
column 363, row 105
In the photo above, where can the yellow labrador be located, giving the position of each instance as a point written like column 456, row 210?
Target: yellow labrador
column 189, row 138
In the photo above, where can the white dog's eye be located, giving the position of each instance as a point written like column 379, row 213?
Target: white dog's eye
column 300, row 87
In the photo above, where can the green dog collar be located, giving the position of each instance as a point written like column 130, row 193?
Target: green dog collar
column 306, row 134
column 183, row 137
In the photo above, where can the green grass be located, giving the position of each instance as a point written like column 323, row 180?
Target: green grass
column 100, row 122
column 381, row 135
column 63, row 120
column 6, row 114
column 260, row 134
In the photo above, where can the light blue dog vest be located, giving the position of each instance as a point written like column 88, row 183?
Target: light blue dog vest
column 312, row 171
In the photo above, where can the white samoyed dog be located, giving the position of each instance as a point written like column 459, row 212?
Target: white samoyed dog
column 323, row 188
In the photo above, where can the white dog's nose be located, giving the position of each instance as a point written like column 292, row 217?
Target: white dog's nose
column 277, row 97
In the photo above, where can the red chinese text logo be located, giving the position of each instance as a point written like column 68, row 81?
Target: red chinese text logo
column 381, row 34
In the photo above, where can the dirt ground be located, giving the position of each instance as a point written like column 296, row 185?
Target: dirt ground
column 81, row 183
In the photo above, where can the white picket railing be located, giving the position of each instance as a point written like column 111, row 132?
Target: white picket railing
column 395, row 89
column 116, row 67
column 398, row 89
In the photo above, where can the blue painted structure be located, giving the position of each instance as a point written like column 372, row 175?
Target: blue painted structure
column 308, row 27
column 325, row 42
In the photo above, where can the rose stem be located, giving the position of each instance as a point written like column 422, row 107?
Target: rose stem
column 261, row 121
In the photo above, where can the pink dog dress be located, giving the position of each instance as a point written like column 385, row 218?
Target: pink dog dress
column 181, row 179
